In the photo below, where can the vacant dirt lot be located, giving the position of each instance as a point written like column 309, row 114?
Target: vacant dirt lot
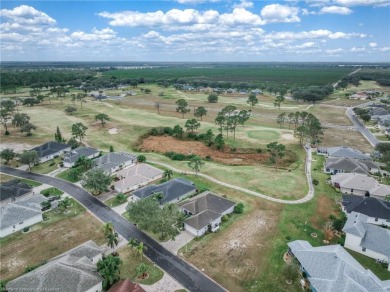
column 162, row 144
column 21, row 250
column 236, row 255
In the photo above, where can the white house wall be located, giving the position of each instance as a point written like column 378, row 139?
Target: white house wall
column 355, row 192
column 67, row 164
column 380, row 222
column 352, row 242
column 96, row 288
column 19, row 226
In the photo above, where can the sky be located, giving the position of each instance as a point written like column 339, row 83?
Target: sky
column 196, row 30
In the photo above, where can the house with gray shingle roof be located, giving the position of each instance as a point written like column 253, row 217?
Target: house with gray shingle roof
column 21, row 213
column 206, row 211
column 359, row 184
column 73, row 271
column 173, row 190
column 331, row 268
column 51, row 149
column 343, row 151
column 13, row 189
column 335, row 165
column 71, row 157
column 367, row 239
column 377, row 211
column 136, row 176
column 115, row 161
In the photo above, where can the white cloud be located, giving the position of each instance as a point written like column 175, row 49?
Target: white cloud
column 373, row 45
column 358, row 50
column 25, row 14
column 194, row 2
column 280, row 13
column 336, row 10
column 385, row 49
column 334, row 51
column 187, row 19
column 362, row 2
column 243, row 4
column 313, row 34
column 96, row 35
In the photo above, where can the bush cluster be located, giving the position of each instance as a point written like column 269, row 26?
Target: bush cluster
column 178, row 156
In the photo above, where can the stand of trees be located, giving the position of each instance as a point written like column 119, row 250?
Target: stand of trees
column 229, row 118
column 312, row 94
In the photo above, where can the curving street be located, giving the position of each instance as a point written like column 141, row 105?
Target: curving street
column 184, row 273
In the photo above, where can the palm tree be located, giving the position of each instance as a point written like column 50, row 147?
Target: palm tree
column 65, row 203
column 140, row 249
column 167, row 174
column 109, row 269
column 112, row 239
column 108, row 228
column 132, row 243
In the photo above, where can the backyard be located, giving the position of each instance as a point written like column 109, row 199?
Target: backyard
column 48, row 239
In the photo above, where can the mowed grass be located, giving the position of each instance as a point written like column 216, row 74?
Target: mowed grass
column 47, row 240
column 131, row 260
column 371, row 264
column 47, row 166
column 114, row 202
column 264, row 135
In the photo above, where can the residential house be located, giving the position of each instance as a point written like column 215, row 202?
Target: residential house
column 21, row 213
column 370, row 240
column 359, row 184
column 359, row 95
column 335, row 165
column 136, row 176
column 71, row 157
column 384, row 122
column 73, row 271
column 206, row 211
column 115, row 161
column 331, row 268
column 387, row 131
column 377, row 112
column 13, row 189
column 173, row 190
column 343, row 151
column 257, row 91
column 377, row 210
column 50, row 150
column 126, row 286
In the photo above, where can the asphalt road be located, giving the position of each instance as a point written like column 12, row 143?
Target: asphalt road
column 361, row 128
column 185, row 274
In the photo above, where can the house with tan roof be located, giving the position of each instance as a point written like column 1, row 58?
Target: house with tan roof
column 136, row 176
column 73, row 271
column 360, row 185
column 367, row 239
column 206, row 211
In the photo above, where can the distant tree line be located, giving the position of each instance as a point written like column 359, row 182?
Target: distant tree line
column 312, row 94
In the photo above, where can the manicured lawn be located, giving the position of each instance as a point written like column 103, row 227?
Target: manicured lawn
column 46, row 167
column 114, row 202
column 131, row 260
column 32, row 183
column 264, row 135
column 4, row 178
column 48, row 239
column 64, row 175
column 51, row 192
column 371, row 264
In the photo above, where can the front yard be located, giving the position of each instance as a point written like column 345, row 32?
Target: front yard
column 47, row 166
column 48, row 239
column 130, row 262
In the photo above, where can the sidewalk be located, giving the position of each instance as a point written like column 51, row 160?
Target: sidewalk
column 181, row 240
column 166, row 284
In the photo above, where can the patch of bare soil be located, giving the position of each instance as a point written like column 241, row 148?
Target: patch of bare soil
column 236, row 255
column 325, row 207
column 163, row 144
column 18, row 252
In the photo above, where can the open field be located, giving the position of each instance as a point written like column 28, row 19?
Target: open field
column 47, row 239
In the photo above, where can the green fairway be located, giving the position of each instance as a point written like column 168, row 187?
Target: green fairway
column 264, row 135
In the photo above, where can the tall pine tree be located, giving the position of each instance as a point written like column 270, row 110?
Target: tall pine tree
column 58, row 136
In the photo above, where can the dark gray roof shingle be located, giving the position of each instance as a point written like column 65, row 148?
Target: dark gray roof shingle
column 73, row 155
column 13, row 188
column 113, row 159
column 50, row 148
column 171, row 189
column 369, row 206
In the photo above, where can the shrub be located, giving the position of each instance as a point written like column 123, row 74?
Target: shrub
column 141, row 158
column 32, row 268
column 258, row 150
column 52, row 163
column 6, row 133
column 315, row 181
column 25, row 229
column 239, row 208
column 208, row 158
column 168, row 131
column 61, row 164
column 233, row 149
column 111, row 148
column 56, row 156
column 224, row 218
column 193, row 136
column 288, row 237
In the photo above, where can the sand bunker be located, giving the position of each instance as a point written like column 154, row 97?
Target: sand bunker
column 113, row 131
column 287, row 136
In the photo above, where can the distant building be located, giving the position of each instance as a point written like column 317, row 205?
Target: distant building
column 335, row 165
column 342, row 151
